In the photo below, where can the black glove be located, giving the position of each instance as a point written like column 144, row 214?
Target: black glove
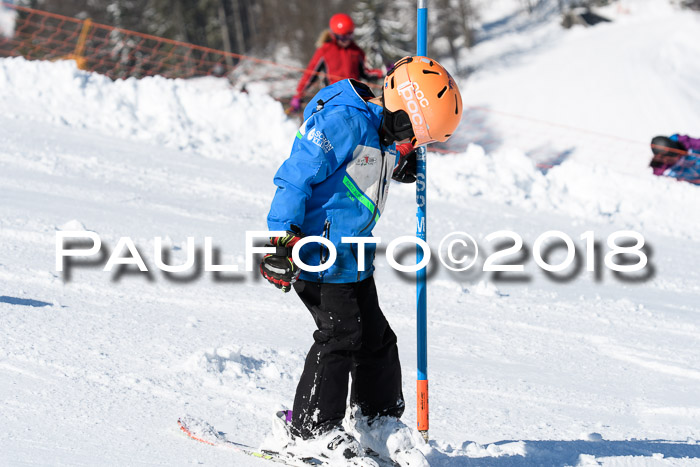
column 405, row 171
column 278, row 268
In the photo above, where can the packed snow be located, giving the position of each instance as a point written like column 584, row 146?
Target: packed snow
column 527, row 368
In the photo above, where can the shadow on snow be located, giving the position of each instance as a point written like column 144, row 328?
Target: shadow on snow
column 562, row 453
column 22, row 301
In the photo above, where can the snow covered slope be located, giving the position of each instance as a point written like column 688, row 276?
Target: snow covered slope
column 586, row 101
column 585, row 368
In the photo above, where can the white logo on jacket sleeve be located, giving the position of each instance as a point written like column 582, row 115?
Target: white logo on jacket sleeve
column 365, row 160
column 319, row 139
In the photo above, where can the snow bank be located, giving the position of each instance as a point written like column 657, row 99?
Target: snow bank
column 204, row 115
column 207, row 117
column 586, row 192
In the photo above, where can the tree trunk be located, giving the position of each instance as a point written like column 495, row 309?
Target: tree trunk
column 238, row 22
column 252, row 26
column 467, row 13
column 225, row 36
column 448, row 29
column 180, row 21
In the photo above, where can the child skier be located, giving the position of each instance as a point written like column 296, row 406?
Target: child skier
column 334, row 184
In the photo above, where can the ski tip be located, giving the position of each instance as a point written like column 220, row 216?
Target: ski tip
column 185, row 429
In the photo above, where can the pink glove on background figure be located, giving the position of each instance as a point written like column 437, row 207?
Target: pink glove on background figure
column 295, row 104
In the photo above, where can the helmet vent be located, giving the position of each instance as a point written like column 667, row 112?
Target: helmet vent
column 392, row 82
column 442, row 92
column 430, row 72
column 456, row 105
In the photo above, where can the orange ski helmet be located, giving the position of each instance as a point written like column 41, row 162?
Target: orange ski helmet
column 341, row 24
column 421, row 102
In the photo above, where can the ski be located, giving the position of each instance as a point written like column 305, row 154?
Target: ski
column 202, row 432
column 214, row 438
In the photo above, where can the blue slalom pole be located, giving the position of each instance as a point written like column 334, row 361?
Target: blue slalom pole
column 421, row 232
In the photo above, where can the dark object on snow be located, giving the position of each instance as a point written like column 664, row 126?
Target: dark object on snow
column 23, row 301
column 584, row 17
column 666, row 153
column 665, row 146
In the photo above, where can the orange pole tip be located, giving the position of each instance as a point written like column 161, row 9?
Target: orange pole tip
column 422, row 393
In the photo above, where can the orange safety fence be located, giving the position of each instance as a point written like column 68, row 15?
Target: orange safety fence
column 121, row 53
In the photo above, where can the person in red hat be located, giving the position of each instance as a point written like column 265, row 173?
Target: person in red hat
column 337, row 56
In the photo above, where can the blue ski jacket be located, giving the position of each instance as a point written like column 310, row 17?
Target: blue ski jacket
column 687, row 169
column 336, row 180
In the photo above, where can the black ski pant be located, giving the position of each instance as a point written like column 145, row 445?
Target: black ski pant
column 353, row 339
